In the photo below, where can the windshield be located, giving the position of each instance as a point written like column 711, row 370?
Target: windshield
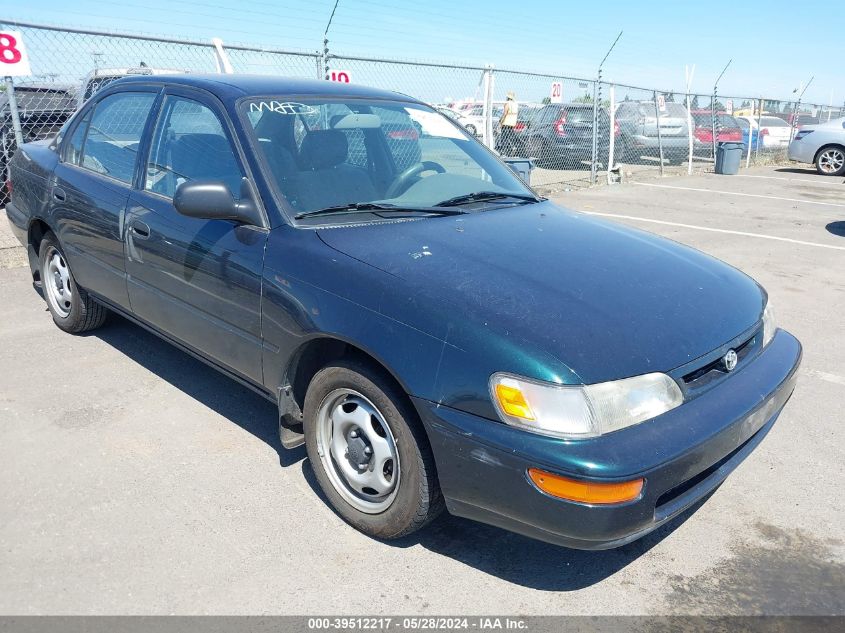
column 323, row 153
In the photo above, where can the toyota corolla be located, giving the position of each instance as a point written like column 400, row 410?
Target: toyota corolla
column 434, row 332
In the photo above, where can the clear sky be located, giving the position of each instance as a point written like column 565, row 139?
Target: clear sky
column 775, row 45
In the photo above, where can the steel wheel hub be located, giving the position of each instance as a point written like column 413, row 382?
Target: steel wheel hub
column 358, row 451
column 57, row 283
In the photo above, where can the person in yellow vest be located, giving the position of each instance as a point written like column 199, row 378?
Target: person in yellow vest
column 507, row 124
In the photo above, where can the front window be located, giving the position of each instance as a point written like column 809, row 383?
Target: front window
column 322, row 153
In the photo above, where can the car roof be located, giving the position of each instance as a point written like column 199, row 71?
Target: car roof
column 231, row 87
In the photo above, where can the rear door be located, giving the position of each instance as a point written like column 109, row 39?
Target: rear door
column 91, row 185
column 672, row 119
column 197, row 280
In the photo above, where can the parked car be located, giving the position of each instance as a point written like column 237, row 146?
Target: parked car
column 474, row 113
column 774, row 132
column 562, row 134
column 749, row 134
column 42, row 109
column 525, row 114
column 638, row 130
column 406, row 322
column 728, row 129
column 461, row 119
column 823, row 145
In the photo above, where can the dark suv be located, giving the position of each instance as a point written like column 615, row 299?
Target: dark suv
column 561, row 135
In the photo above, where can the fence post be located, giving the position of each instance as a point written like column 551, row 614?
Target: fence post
column 221, row 58
column 13, row 108
column 488, row 108
column 659, row 136
column 689, row 74
column 759, row 119
column 594, row 159
column 713, row 125
column 611, row 130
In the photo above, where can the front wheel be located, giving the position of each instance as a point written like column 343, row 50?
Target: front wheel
column 369, row 452
column 831, row 161
column 73, row 309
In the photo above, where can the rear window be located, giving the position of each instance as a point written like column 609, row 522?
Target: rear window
column 704, row 119
column 773, row 121
column 675, row 110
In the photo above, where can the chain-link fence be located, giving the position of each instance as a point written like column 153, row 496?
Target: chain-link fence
column 576, row 131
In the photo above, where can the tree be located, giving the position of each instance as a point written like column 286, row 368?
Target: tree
column 546, row 100
column 694, row 104
column 670, row 98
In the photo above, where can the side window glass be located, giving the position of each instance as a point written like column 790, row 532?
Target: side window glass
column 73, row 151
column 190, row 143
column 114, row 134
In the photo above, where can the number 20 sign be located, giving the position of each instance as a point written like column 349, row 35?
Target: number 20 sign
column 14, row 62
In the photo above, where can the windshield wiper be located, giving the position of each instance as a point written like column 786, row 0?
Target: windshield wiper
column 484, row 196
column 368, row 207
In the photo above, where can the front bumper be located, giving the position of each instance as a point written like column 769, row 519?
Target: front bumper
column 683, row 455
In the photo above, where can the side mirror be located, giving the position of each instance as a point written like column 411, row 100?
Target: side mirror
column 212, row 200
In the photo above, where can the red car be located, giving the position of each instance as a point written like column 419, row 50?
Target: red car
column 727, row 128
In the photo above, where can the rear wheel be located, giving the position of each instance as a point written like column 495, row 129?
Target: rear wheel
column 830, row 161
column 368, row 452
column 73, row 309
column 471, row 129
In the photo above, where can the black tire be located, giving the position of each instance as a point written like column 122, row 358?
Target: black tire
column 83, row 313
column 830, row 151
column 418, row 499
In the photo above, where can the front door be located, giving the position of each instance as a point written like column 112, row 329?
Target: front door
column 197, row 280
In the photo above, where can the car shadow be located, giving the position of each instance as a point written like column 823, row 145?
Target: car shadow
column 511, row 557
column 224, row 396
column 836, row 228
column 798, row 170
column 518, row 559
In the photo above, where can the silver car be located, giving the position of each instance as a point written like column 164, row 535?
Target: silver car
column 822, row 145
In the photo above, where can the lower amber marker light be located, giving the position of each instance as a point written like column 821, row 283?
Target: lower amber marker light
column 598, row 493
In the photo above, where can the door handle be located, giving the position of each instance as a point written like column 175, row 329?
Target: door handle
column 59, row 194
column 140, row 229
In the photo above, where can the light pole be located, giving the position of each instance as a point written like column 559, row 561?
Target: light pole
column 797, row 107
column 596, row 97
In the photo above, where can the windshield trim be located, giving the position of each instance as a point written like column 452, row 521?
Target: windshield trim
column 286, row 211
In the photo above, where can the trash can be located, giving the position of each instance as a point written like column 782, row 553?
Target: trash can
column 728, row 157
column 521, row 166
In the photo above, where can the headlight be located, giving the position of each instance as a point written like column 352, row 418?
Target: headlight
column 583, row 410
column 769, row 325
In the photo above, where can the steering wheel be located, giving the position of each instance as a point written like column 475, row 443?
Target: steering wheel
column 402, row 181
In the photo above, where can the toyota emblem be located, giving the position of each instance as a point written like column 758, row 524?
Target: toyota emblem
column 729, row 360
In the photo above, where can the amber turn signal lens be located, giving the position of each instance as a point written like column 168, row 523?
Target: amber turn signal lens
column 513, row 402
column 586, row 491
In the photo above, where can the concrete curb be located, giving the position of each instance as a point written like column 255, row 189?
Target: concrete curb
column 12, row 254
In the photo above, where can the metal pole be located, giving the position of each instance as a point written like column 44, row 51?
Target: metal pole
column 659, row 137
column 326, row 40
column 13, row 108
column 713, row 106
column 596, row 93
column 611, row 130
column 797, row 108
column 689, row 74
column 759, row 119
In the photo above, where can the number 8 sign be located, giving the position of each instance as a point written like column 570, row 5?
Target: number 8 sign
column 14, row 62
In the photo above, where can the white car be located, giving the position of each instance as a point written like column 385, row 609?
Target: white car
column 461, row 119
column 774, row 132
column 823, row 145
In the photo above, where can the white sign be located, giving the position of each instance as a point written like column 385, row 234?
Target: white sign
column 14, row 62
column 661, row 103
column 556, row 93
column 340, row 76
column 729, row 106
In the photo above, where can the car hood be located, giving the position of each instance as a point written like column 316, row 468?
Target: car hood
column 607, row 301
